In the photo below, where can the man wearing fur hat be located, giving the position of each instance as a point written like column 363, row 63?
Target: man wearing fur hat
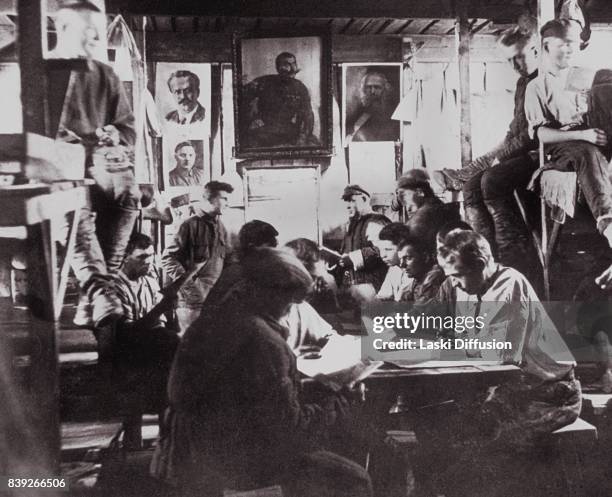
column 426, row 212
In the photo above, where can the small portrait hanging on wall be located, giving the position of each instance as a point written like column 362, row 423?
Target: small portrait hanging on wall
column 371, row 93
column 182, row 95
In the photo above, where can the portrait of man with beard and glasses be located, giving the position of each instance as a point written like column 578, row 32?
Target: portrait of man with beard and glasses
column 185, row 88
column 182, row 96
column 371, row 95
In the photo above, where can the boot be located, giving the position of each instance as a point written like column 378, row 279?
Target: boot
column 453, row 179
column 478, row 217
column 514, row 246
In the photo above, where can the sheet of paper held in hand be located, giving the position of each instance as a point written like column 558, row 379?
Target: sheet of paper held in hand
column 339, row 363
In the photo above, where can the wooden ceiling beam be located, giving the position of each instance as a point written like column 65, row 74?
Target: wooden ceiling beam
column 279, row 8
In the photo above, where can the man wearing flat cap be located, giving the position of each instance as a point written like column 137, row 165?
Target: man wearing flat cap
column 568, row 110
column 89, row 105
column 361, row 264
column 426, row 212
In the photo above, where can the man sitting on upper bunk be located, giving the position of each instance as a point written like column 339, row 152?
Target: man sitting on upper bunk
column 475, row 438
column 490, row 181
column 568, row 111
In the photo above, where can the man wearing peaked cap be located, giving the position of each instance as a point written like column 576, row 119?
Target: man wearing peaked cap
column 568, row 110
column 351, row 190
column 361, row 265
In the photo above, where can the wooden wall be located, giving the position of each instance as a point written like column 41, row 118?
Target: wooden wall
column 214, row 47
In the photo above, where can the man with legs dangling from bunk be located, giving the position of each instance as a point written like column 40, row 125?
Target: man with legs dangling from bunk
column 93, row 110
column 489, row 182
column 568, row 110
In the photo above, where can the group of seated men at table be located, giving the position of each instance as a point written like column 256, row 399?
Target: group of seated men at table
column 237, row 416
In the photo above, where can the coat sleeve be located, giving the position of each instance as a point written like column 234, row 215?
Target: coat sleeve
column 517, row 140
column 175, row 258
column 276, row 397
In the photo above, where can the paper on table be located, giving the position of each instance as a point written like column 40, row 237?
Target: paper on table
column 340, row 363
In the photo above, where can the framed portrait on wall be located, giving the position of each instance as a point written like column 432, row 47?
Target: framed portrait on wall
column 185, row 162
column 371, row 92
column 282, row 96
column 183, row 95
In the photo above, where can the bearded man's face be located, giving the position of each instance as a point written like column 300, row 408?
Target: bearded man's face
column 374, row 95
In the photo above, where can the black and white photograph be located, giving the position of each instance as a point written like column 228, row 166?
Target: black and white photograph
column 182, row 93
column 184, row 162
column 306, row 249
column 75, row 38
column 282, row 96
column 371, row 95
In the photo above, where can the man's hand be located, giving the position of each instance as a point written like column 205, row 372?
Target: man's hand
column 346, row 262
column 108, row 135
column 604, row 280
column 595, row 136
column 355, row 394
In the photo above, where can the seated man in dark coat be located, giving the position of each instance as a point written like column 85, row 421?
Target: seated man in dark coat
column 237, row 417
column 426, row 212
column 361, row 267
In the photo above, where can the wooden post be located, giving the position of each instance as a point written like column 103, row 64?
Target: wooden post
column 33, row 78
column 37, row 428
column 546, row 11
column 462, row 36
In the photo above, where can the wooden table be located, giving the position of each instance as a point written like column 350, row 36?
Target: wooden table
column 433, row 381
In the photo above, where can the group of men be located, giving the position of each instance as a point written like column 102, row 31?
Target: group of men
column 555, row 107
column 239, row 307
column 235, row 402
